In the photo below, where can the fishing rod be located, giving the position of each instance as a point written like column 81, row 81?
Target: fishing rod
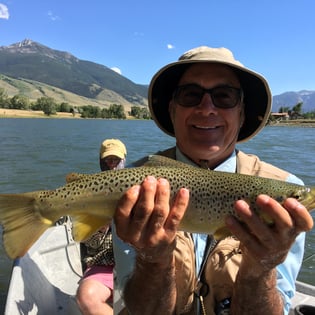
column 308, row 257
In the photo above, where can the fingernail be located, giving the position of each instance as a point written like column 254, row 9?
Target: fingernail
column 163, row 181
column 150, row 179
column 135, row 190
column 229, row 220
column 264, row 198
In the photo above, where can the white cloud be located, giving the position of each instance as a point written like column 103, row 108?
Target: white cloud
column 170, row 46
column 138, row 34
column 52, row 16
column 117, row 70
column 4, row 12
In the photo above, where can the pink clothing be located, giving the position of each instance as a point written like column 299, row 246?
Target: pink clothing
column 103, row 274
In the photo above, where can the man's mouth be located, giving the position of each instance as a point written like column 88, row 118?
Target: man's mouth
column 205, row 127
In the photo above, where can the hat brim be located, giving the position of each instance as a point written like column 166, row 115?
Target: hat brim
column 114, row 152
column 257, row 96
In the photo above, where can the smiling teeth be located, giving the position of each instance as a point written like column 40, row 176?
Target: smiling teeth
column 203, row 127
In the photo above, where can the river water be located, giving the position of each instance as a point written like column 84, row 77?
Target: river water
column 36, row 154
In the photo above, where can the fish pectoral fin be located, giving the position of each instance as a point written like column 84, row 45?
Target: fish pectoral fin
column 221, row 233
column 85, row 225
column 22, row 224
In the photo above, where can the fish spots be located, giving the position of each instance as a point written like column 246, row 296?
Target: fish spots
column 212, row 194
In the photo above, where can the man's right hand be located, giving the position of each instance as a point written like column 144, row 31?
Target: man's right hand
column 147, row 219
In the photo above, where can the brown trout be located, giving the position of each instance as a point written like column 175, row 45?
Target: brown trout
column 91, row 200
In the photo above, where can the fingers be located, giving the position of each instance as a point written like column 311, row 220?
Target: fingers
column 134, row 210
column 284, row 223
column 123, row 210
column 245, row 228
column 268, row 244
column 300, row 215
column 292, row 215
column 145, row 216
column 145, row 205
column 178, row 209
column 160, row 205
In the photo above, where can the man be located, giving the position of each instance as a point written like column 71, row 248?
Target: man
column 209, row 102
column 94, row 294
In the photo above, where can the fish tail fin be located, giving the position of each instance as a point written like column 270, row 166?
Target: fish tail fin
column 22, row 224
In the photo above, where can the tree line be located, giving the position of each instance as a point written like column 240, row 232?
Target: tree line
column 296, row 112
column 50, row 107
column 291, row 113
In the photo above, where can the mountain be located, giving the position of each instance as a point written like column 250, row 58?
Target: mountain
column 29, row 60
column 34, row 70
column 290, row 99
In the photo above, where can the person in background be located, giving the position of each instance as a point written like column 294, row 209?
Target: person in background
column 95, row 291
column 209, row 102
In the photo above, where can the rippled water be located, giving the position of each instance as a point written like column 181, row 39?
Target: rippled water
column 37, row 154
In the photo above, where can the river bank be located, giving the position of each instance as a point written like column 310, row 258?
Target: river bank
column 294, row 123
column 19, row 113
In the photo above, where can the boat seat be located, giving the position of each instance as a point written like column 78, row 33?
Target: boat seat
column 73, row 308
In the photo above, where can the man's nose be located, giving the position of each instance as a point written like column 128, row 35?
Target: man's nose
column 206, row 104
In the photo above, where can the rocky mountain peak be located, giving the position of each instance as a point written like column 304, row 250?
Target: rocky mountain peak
column 28, row 46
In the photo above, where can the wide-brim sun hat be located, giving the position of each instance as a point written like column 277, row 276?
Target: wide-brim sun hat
column 113, row 147
column 257, row 94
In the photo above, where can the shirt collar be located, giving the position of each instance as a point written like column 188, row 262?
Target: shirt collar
column 229, row 165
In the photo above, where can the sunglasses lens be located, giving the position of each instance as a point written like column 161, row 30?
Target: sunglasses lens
column 188, row 95
column 112, row 160
column 225, row 97
column 191, row 95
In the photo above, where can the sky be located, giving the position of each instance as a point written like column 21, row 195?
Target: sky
column 136, row 38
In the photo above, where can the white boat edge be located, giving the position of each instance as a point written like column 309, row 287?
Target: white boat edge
column 39, row 286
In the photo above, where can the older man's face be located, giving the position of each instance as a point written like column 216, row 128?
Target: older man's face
column 205, row 132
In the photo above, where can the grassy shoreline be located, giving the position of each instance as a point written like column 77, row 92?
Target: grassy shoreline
column 17, row 113
column 295, row 123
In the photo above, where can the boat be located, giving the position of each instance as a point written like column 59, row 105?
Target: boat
column 45, row 280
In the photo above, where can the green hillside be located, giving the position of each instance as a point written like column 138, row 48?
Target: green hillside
column 34, row 90
column 34, row 70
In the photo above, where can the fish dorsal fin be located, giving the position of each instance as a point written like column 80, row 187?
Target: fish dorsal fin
column 72, row 177
column 159, row 160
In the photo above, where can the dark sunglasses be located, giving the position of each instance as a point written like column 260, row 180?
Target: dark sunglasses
column 190, row 95
column 112, row 160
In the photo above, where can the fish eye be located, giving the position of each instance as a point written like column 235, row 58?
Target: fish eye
column 280, row 199
column 296, row 195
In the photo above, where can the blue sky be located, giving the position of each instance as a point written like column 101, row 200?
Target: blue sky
column 273, row 37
